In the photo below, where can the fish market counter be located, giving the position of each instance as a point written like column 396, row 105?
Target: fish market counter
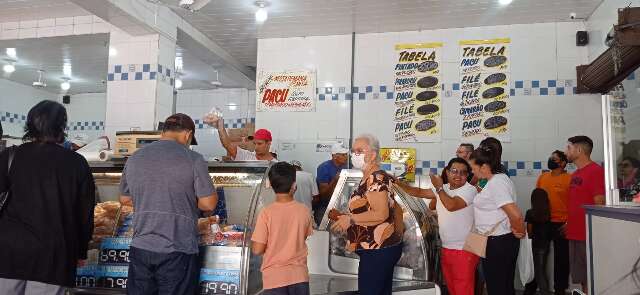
column 227, row 264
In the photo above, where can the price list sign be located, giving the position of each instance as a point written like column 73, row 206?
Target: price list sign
column 219, row 281
column 114, row 251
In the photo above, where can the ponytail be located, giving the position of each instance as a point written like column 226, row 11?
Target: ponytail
column 489, row 156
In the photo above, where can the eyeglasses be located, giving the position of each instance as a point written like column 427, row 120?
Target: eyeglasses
column 455, row 171
column 358, row 152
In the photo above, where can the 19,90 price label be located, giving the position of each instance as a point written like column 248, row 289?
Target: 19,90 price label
column 113, row 283
column 114, row 256
column 215, row 288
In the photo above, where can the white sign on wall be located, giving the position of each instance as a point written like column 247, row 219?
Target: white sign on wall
column 288, row 91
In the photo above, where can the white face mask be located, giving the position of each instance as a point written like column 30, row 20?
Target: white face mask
column 358, row 161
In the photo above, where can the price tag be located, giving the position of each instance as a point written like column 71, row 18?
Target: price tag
column 113, row 276
column 86, row 276
column 114, row 251
column 219, row 281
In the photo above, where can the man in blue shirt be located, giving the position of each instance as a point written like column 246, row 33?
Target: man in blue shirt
column 327, row 177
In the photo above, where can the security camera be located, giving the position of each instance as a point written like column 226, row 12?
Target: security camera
column 573, row 15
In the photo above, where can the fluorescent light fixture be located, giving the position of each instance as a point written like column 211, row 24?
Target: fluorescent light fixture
column 113, row 51
column 11, row 52
column 65, row 85
column 505, row 2
column 9, row 68
column 232, row 106
column 66, row 69
column 261, row 15
column 178, row 84
column 179, row 64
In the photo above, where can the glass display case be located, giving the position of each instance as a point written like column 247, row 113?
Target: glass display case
column 334, row 270
column 621, row 133
column 227, row 265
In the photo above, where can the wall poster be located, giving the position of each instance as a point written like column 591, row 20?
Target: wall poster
column 418, row 86
column 399, row 162
column 288, row 91
column 484, row 89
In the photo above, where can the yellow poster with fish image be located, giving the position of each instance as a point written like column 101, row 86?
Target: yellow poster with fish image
column 485, row 89
column 399, row 162
column 417, row 89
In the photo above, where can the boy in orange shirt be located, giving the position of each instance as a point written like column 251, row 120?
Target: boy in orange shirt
column 280, row 235
column 556, row 183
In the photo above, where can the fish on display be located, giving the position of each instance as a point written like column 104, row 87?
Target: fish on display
column 427, row 109
column 425, row 125
column 495, row 78
column 495, row 106
column 427, row 82
column 426, row 95
column 495, row 122
column 493, row 92
column 495, row 61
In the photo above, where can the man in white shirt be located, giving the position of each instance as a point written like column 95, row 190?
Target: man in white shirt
column 452, row 202
column 261, row 140
column 305, row 184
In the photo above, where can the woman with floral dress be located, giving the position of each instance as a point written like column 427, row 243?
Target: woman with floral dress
column 373, row 224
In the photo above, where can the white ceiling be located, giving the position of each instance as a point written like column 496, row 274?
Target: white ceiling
column 87, row 55
column 231, row 23
column 16, row 10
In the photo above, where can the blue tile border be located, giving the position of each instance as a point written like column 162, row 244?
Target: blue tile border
column 517, row 88
column 519, row 168
column 141, row 72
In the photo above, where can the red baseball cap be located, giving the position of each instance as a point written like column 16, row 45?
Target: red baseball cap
column 262, row 134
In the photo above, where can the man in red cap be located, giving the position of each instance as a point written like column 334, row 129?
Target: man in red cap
column 261, row 140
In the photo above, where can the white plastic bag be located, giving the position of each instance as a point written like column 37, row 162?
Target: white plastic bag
column 525, row 261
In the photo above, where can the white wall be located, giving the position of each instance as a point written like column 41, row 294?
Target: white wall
column 15, row 102
column 196, row 103
column 86, row 114
column 540, row 123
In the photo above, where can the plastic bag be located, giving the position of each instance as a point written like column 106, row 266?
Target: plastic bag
column 525, row 261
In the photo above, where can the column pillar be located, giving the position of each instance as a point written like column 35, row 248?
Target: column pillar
column 140, row 82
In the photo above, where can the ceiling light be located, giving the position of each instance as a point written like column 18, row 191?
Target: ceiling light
column 505, row 2
column 216, row 83
column 261, row 13
column 179, row 64
column 11, row 52
column 66, row 69
column 178, row 84
column 65, row 85
column 232, row 106
column 113, row 51
column 9, row 68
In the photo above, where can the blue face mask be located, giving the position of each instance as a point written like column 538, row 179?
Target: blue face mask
column 67, row 145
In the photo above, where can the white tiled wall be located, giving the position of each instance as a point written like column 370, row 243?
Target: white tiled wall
column 87, row 107
column 541, row 124
column 18, row 99
column 196, row 103
column 51, row 27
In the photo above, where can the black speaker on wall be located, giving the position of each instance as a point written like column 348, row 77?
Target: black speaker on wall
column 66, row 99
column 582, row 38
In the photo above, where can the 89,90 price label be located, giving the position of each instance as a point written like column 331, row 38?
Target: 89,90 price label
column 215, row 288
column 114, row 256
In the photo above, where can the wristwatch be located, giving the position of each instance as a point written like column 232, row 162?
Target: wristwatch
column 440, row 189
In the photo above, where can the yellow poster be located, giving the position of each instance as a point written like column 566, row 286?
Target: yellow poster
column 484, row 89
column 399, row 162
column 418, row 87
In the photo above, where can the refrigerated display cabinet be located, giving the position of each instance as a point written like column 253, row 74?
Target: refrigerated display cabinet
column 229, row 267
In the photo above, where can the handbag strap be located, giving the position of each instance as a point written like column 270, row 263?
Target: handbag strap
column 493, row 229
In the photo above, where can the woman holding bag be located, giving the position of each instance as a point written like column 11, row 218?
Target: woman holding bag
column 498, row 217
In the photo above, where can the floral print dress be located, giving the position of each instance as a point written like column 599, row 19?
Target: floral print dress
column 387, row 233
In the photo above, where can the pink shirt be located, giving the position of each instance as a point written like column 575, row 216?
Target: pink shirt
column 284, row 228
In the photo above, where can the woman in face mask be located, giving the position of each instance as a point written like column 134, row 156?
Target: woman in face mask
column 373, row 225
